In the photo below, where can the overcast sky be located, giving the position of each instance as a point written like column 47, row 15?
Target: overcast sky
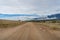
column 30, row 6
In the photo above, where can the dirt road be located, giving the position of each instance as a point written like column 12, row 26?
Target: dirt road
column 28, row 31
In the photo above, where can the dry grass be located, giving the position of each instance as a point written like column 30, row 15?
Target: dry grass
column 54, row 26
column 9, row 23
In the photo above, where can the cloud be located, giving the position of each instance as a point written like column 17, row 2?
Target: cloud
column 29, row 6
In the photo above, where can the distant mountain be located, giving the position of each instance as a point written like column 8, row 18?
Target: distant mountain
column 9, row 15
column 48, row 17
column 56, row 16
column 29, row 16
column 18, row 16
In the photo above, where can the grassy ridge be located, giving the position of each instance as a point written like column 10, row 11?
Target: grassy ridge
column 9, row 23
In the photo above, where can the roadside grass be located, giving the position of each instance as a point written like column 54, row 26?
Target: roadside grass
column 53, row 26
column 9, row 24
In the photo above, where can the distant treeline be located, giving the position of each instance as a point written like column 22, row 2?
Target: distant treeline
column 50, row 21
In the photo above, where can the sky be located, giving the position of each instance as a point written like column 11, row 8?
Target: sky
column 40, row 7
column 29, row 6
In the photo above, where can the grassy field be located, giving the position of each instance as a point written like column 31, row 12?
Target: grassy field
column 9, row 23
column 53, row 26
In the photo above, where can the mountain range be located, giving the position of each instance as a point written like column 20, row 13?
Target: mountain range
column 57, row 16
column 49, row 17
column 30, row 16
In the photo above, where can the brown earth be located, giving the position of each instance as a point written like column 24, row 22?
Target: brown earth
column 27, row 31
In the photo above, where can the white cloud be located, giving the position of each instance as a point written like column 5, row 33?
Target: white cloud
column 29, row 6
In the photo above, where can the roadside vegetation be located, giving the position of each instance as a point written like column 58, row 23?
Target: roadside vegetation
column 9, row 23
column 52, row 24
